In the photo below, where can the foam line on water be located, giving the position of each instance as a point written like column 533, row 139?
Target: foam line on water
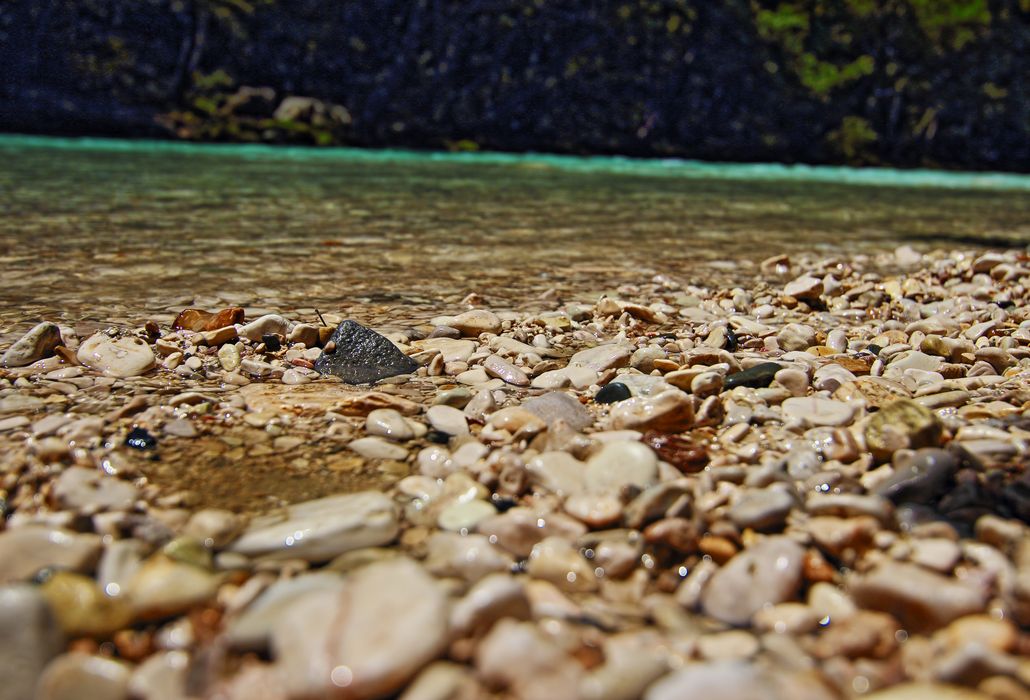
column 671, row 168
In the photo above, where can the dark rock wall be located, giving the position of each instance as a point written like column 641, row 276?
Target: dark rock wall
column 939, row 83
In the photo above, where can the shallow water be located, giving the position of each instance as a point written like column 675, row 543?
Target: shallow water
column 108, row 231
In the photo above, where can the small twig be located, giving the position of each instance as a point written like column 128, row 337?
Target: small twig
column 319, row 314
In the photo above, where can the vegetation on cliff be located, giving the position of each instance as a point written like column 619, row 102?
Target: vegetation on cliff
column 903, row 82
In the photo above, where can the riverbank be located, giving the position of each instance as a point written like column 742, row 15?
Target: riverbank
column 810, row 484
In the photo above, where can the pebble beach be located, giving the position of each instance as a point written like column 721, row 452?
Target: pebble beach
column 810, row 484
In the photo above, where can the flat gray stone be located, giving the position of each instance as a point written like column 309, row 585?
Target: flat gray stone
column 362, row 356
column 322, row 529
column 766, row 573
column 26, row 550
column 559, row 405
column 29, row 638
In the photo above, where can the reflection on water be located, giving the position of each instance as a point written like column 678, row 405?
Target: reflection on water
column 88, row 234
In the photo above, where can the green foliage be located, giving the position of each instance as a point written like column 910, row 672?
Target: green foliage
column 852, row 137
column 951, row 22
column 822, row 77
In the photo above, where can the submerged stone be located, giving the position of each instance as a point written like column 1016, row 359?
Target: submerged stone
column 359, row 355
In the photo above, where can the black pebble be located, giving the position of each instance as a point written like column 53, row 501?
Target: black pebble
column 732, row 341
column 271, row 341
column 873, row 349
column 140, row 439
column 437, row 436
column 612, row 392
column 502, row 503
column 757, row 377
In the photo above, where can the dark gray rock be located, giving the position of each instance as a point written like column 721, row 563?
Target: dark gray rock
column 359, row 355
column 756, row 377
column 613, row 392
column 923, row 479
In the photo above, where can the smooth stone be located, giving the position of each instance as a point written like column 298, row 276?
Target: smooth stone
column 502, row 369
column 559, row 405
column 729, row 645
column 796, row 336
column 91, row 491
column 378, row 448
column 927, row 691
column 443, row 680
column 269, row 324
column 911, row 359
column 26, row 550
column 630, row 665
column 767, row 573
column 517, row 530
column 920, row 599
column 452, row 350
column 305, row 333
column 121, row 357
column 76, row 676
column 251, row 630
column 804, row 287
column 37, row 343
column 229, row 357
column 551, row 380
column 18, row 403
column 529, row 664
column 82, row 609
column 469, row 557
column 901, row 424
column 764, row 509
column 321, row 529
column 602, row 357
column 390, row 620
column 162, row 676
column 119, row 563
column 162, row 587
column 670, row 411
column 937, row 553
column 596, row 510
column 619, row 464
column 473, row 323
column 830, row 377
column 517, row 420
column 494, row 597
column 555, row 560
column 362, row 356
column 922, row 479
column 388, row 423
column 214, row 527
column 447, row 420
column 815, row 410
column 462, row 516
column 739, row 680
column 707, row 384
column 757, row 377
column 613, row 392
column 29, row 639
column 558, row 472
column 458, row 397
column 793, row 380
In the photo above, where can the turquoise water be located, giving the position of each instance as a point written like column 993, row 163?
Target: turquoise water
column 675, row 168
column 96, row 230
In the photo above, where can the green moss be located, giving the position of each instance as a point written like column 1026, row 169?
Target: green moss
column 951, row 22
column 822, row 77
column 852, row 137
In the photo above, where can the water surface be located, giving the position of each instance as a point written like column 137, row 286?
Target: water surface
column 99, row 230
